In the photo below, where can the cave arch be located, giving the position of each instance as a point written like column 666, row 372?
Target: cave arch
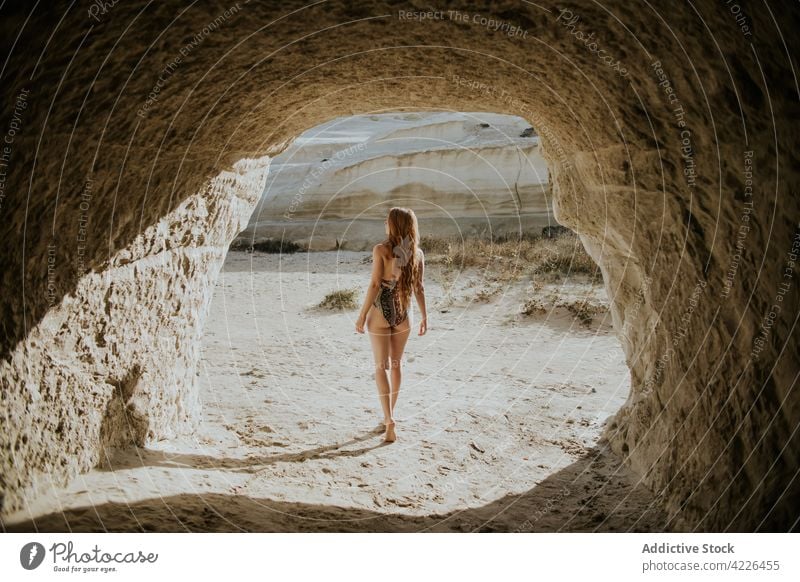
column 105, row 292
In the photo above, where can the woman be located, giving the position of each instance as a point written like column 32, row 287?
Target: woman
column 398, row 266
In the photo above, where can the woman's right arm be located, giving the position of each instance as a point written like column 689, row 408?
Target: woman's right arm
column 419, row 293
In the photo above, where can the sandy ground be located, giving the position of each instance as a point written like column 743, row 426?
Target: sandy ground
column 498, row 420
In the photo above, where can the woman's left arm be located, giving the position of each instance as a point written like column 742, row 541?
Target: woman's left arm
column 373, row 289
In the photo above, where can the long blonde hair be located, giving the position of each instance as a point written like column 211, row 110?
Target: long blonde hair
column 403, row 242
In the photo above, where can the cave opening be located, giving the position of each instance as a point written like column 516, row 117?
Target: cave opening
column 119, row 220
column 512, row 384
column 516, row 386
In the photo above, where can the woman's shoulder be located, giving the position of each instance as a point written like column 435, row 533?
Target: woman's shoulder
column 381, row 248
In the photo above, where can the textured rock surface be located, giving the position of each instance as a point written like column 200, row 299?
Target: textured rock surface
column 113, row 363
column 153, row 102
column 465, row 174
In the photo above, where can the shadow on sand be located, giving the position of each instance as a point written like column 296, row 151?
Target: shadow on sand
column 142, row 457
column 592, row 494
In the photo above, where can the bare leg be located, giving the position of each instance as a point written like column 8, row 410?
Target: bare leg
column 379, row 335
column 397, row 344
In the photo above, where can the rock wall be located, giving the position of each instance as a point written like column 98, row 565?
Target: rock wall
column 671, row 152
column 113, row 363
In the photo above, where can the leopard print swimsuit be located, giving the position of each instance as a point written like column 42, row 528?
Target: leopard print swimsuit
column 388, row 301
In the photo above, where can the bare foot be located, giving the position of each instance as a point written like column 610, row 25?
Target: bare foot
column 390, row 436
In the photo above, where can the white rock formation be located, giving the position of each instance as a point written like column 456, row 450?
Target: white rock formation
column 462, row 173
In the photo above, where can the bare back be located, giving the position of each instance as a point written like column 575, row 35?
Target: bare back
column 391, row 270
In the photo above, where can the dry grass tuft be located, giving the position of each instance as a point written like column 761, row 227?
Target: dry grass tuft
column 552, row 258
column 340, row 300
column 271, row 246
column 585, row 308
